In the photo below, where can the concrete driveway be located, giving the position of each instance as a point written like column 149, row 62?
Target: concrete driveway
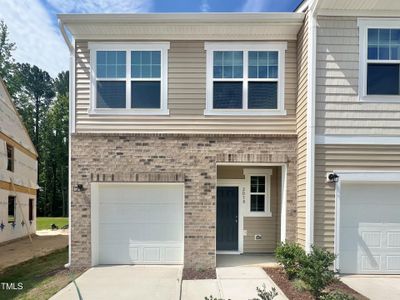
column 126, row 282
column 375, row 287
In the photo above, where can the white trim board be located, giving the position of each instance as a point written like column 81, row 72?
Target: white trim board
column 355, row 176
column 310, row 152
column 356, row 140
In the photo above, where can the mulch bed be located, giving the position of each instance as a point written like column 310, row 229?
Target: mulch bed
column 279, row 277
column 194, row 274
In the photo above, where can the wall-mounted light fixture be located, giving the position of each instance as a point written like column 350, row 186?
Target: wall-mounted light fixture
column 332, row 177
column 79, row 188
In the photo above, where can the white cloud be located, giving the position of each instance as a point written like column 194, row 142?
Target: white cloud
column 101, row 6
column 33, row 28
column 38, row 40
column 253, row 5
column 204, row 6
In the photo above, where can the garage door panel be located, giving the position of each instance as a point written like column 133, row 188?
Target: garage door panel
column 393, row 239
column 136, row 232
column 140, row 224
column 141, row 254
column 370, row 228
column 137, row 214
column 123, row 213
column 393, row 263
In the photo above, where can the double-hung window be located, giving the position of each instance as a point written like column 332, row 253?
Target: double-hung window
column 245, row 78
column 379, row 59
column 258, row 183
column 129, row 78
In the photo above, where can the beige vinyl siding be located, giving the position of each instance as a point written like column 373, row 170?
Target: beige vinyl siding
column 301, row 128
column 338, row 109
column 330, row 158
column 186, row 99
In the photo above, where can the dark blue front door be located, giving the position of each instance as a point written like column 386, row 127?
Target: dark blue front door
column 227, row 218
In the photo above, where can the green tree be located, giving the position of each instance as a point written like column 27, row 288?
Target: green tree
column 54, row 175
column 37, row 86
column 61, row 83
column 7, row 62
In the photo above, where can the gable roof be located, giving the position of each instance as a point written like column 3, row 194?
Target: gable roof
column 11, row 124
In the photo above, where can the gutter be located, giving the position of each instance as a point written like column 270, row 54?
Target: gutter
column 71, row 47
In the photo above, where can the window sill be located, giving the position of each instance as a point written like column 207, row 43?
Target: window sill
column 380, row 99
column 129, row 112
column 230, row 112
column 258, row 214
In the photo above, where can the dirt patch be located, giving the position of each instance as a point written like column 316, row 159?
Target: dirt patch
column 279, row 277
column 22, row 250
column 194, row 274
column 340, row 286
column 52, row 232
column 287, row 287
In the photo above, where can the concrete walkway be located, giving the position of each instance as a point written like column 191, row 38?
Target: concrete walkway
column 235, row 283
column 16, row 252
column 125, row 282
column 375, row 287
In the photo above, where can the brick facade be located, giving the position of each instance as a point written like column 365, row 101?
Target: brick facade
column 172, row 158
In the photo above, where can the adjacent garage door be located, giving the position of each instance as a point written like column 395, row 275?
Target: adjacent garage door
column 140, row 223
column 369, row 228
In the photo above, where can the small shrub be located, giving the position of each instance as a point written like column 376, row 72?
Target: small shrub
column 289, row 255
column 300, row 285
column 316, row 270
column 337, row 295
column 263, row 294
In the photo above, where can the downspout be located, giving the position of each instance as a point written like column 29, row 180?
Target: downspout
column 71, row 47
column 310, row 166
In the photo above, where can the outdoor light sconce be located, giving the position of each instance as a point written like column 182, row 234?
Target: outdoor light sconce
column 79, row 188
column 332, row 177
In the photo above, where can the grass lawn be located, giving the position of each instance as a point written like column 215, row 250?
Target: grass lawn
column 45, row 223
column 41, row 277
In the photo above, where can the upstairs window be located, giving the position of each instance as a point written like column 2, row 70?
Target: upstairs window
column 383, row 62
column 379, row 59
column 129, row 78
column 10, row 158
column 245, row 79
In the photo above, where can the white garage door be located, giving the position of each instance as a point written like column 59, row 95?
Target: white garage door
column 140, row 224
column 370, row 228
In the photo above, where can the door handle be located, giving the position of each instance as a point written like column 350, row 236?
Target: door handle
column 236, row 219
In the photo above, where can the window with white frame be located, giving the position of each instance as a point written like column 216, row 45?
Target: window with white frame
column 258, row 183
column 379, row 59
column 129, row 78
column 245, row 78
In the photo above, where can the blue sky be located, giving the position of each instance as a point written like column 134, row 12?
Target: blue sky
column 33, row 23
